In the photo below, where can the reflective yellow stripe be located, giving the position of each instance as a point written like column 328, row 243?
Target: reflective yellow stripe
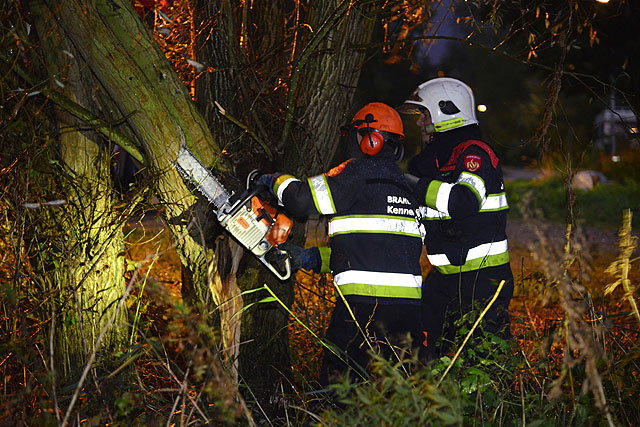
column 437, row 196
column 281, row 184
column 448, row 124
column 321, row 195
column 476, row 264
column 495, row 202
column 484, row 255
column 474, row 183
column 374, row 224
column 373, row 283
column 325, row 256
column 362, row 289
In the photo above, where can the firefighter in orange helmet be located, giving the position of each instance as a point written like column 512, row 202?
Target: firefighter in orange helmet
column 375, row 242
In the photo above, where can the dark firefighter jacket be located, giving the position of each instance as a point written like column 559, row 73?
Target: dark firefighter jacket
column 375, row 238
column 466, row 207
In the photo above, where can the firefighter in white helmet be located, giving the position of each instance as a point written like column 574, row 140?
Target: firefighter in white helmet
column 461, row 184
column 375, row 242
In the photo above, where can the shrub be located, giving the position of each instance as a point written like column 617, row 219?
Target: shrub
column 547, row 199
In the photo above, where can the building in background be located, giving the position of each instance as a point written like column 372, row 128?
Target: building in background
column 616, row 129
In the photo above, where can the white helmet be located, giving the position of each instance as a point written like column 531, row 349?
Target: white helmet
column 449, row 101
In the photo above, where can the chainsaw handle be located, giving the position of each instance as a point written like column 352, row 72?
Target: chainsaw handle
column 252, row 179
column 244, row 197
column 279, row 263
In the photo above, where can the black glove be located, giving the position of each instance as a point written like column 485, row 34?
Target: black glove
column 307, row 259
column 266, row 181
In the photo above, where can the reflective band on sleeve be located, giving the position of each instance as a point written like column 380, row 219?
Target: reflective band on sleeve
column 325, row 256
column 475, row 183
column 437, row 196
column 495, row 202
column 374, row 224
column 321, row 195
column 430, row 214
column 476, row 264
column 281, row 184
column 485, row 255
column 373, row 283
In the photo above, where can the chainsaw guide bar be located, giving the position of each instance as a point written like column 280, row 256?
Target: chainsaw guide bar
column 254, row 223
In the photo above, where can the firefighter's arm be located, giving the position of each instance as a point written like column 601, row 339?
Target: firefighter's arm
column 465, row 196
column 291, row 193
column 310, row 259
column 319, row 195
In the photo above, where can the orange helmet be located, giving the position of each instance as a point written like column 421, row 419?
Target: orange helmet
column 380, row 117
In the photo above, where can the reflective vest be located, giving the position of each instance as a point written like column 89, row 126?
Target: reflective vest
column 460, row 238
column 374, row 234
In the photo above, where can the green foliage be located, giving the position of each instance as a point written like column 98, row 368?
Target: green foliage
column 393, row 398
column 543, row 199
column 491, row 382
column 547, row 199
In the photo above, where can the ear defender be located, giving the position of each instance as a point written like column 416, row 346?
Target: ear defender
column 372, row 141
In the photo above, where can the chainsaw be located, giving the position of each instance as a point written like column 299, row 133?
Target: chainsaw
column 254, row 223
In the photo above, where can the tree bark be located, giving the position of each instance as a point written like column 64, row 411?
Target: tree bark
column 328, row 84
column 90, row 271
column 147, row 92
column 264, row 361
column 254, row 52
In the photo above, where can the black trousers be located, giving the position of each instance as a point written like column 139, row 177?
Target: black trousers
column 448, row 297
column 399, row 324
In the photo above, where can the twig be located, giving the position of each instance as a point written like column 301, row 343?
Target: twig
column 245, row 128
column 52, row 361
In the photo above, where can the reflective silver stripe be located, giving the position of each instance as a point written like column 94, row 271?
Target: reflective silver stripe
column 283, row 186
column 480, row 251
column 423, row 231
column 361, row 224
column 321, row 195
column 473, row 181
column 376, row 278
column 495, row 202
column 429, row 213
column 442, row 199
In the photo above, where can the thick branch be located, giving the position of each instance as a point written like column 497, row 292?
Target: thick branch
column 96, row 123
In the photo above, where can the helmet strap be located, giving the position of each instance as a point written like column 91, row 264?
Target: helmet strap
column 398, row 151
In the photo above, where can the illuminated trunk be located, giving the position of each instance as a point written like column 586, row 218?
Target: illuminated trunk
column 89, row 272
column 152, row 106
column 150, row 101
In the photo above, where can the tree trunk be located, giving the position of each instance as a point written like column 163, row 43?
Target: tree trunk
column 264, row 360
column 147, row 92
column 328, row 85
column 255, row 51
column 90, row 271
